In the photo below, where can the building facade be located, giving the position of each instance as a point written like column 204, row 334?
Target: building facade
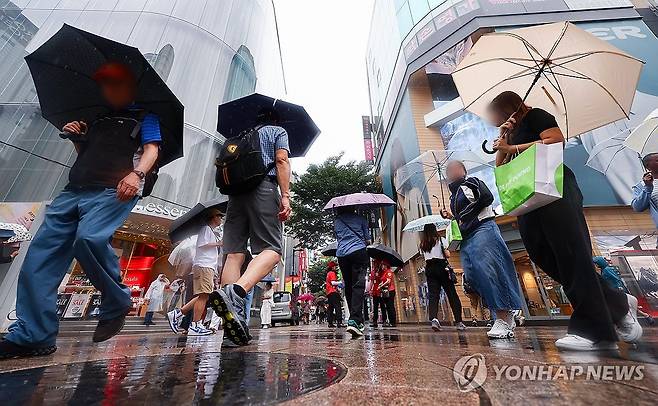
column 207, row 51
column 414, row 46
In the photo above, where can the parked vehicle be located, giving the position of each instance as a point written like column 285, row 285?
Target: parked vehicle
column 284, row 309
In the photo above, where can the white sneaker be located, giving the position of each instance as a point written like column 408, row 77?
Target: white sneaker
column 461, row 326
column 436, row 326
column 628, row 328
column 519, row 317
column 511, row 319
column 572, row 342
column 198, row 329
column 174, row 318
column 500, row 329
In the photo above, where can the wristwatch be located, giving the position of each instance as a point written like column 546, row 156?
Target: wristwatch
column 140, row 174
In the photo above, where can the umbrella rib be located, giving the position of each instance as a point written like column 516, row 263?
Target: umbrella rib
column 590, row 53
column 526, row 72
column 564, row 102
column 644, row 145
column 494, row 60
column 523, row 40
column 599, row 85
column 559, row 38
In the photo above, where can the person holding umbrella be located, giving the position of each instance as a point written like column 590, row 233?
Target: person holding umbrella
column 557, row 238
column 204, row 267
column 115, row 152
column 645, row 193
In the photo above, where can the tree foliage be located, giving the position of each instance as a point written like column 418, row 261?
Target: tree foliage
column 310, row 224
column 317, row 275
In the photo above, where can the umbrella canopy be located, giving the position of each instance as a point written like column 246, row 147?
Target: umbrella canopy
column 63, row 69
column 369, row 200
column 604, row 153
column 559, row 67
column 419, row 224
column 189, row 223
column 306, row 297
column 381, row 251
column 432, row 164
column 12, row 232
column 644, row 139
column 240, row 114
column 330, row 250
column 183, row 252
column 320, row 299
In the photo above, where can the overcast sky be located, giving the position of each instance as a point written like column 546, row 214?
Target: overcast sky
column 324, row 46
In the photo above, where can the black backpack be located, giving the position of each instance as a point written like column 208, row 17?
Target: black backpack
column 240, row 166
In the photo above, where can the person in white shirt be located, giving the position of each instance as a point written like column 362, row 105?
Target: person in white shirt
column 204, row 267
column 266, row 306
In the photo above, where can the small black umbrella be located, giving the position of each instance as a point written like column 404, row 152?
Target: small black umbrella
column 329, row 250
column 63, row 69
column 381, row 251
column 240, row 114
column 189, row 223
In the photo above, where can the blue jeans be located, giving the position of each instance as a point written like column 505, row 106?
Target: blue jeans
column 79, row 224
column 489, row 268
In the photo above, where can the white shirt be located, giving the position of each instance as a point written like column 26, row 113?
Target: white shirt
column 436, row 252
column 206, row 256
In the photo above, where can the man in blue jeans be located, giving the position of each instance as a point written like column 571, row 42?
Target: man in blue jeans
column 115, row 152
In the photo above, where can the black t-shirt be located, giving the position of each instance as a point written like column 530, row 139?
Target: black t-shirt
column 534, row 123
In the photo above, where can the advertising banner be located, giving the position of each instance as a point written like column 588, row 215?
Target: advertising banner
column 77, row 306
column 63, row 301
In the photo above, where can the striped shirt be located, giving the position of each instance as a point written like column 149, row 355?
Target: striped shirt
column 272, row 138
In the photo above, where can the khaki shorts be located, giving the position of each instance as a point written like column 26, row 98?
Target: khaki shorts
column 203, row 279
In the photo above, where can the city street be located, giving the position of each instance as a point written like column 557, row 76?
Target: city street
column 315, row 365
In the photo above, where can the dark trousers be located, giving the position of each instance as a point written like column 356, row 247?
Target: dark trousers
column 389, row 305
column 148, row 318
column 437, row 278
column 557, row 239
column 189, row 295
column 354, row 267
column 377, row 303
column 335, row 308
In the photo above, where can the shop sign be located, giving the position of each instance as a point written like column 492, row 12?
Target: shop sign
column 77, row 306
column 63, row 300
column 160, row 210
column 94, row 308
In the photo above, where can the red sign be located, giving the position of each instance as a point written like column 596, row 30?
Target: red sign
column 367, row 146
column 301, row 262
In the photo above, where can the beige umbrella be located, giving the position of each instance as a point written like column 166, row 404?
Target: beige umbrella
column 583, row 81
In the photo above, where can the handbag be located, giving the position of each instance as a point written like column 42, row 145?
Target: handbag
column 451, row 271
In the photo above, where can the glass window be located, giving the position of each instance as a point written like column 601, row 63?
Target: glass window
column 405, row 23
column 281, row 297
column 419, row 8
column 399, row 3
column 435, row 3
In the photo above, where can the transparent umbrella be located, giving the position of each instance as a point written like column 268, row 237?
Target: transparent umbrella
column 432, row 164
column 644, row 139
column 603, row 155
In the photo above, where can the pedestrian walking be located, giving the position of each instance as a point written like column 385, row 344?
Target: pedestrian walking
column 645, row 193
column 335, row 307
column 386, row 289
column 487, row 262
column 557, row 238
column 177, row 288
column 266, row 306
column 353, row 237
column 438, row 275
column 155, row 298
column 115, row 154
column 377, row 303
column 204, row 267
column 255, row 213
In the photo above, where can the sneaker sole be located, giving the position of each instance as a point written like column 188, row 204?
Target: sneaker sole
column 509, row 334
column 233, row 330
column 33, row 352
column 172, row 324
column 355, row 332
column 200, row 335
column 436, row 328
column 563, row 347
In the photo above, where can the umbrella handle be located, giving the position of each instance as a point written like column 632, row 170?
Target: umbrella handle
column 487, row 150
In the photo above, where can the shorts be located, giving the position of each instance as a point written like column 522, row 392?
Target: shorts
column 203, row 279
column 253, row 217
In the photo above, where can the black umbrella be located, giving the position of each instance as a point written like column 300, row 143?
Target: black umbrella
column 329, row 250
column 189, row 223
column 240, row 114
column 63, row 67
column 381, row 251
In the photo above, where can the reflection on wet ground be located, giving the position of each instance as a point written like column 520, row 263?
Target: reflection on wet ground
column 202, row 378
column 317, row 365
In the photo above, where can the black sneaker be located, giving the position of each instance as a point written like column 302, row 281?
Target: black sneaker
column 9, row 350
column 354, row 328
column 106, row 329
column 231, row 307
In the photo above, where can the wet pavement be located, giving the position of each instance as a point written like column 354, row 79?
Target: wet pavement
column 316, row 365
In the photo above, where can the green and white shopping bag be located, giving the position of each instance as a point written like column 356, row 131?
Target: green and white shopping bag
column 531, row 180
column 454, row 236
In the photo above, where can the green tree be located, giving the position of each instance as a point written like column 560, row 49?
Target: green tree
column 310, row 224
column 317, row 275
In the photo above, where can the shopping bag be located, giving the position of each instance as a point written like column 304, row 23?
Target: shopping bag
column 453, row 235
column 531, row 180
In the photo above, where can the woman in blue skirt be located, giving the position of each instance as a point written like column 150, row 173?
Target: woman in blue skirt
column 487, row 262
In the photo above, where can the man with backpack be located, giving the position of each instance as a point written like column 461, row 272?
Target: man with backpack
column 254, row 170
column 117, row 154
